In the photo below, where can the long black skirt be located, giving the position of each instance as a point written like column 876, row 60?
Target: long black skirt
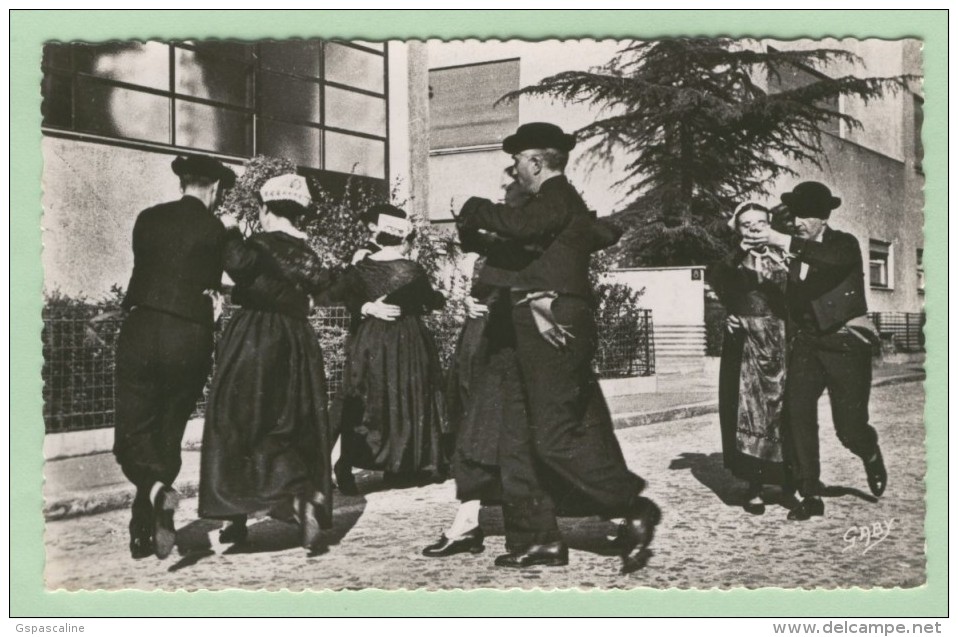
column 393, row 405
column 467, row 362
column 266, row 436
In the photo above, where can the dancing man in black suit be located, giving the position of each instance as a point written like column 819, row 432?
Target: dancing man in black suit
column 164, row 351
column 831, row 343
column 568, row 443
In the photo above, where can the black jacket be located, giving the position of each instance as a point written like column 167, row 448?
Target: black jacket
column 177, row 254
column 834, row 289
column 557, row 221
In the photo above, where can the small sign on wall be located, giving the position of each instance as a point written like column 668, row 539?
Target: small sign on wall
column 696, row 275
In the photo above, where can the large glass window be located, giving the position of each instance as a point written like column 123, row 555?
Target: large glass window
column 355, row 67
column 230, row 98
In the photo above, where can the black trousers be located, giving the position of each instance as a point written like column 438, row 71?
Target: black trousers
column 162, row 363
column 566, row 449
column 840, row 363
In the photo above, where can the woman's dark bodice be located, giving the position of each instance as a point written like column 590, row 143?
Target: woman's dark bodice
column 745, row 292
column 274, row 272
column 402, row 282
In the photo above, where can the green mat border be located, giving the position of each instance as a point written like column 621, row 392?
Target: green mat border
column 30, row 28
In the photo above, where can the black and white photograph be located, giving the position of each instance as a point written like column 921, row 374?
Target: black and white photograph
column 591, row 314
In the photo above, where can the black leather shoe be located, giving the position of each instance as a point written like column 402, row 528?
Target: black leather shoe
column 551, row 554
column 807, row 508
column 345, row 481
column 755, row 507
column 141, row 541
column 636, row 533
column 469, row 542
column 235, row 533
column 877, row 475
column 164, row 533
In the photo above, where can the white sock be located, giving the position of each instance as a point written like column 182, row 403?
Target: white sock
column 616, row 523
column 154, row 490
column 467, row 518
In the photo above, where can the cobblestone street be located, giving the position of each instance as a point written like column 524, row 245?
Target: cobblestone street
column 705, row 540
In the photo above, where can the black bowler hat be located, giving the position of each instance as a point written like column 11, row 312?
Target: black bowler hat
column 203, row 166
column 811, row 199
column 538, row 135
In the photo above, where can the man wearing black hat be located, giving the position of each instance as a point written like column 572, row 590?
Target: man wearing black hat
column 568, row 439
column 831, row 343
column 165, row 347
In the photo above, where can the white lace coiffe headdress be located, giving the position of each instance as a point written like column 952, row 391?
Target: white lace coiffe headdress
column 394, row 226
column 286, row 188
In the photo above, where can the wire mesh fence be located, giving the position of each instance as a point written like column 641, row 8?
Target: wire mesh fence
column 905, row 329
column 78, row 372
column 80, row 366
column 626, row 346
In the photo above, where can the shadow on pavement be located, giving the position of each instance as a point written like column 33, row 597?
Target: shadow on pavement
column 836, row 491
column 375, row 481
column 268, row 535
column 710, row 471
column 193, row 543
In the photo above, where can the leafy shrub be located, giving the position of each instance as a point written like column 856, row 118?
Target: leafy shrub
column 623, row 335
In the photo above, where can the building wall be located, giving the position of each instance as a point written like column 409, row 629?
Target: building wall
column 883, row 131
column 92, row 193
column 455, row 176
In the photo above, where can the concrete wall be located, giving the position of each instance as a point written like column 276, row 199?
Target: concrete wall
column 91, row 195
column 454, row 177
column 676, row 296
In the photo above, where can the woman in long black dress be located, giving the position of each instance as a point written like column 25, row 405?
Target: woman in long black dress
column 751, row 286
column 393, row 412
column 266, row 438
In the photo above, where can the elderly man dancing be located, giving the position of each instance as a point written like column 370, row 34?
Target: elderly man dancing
column 566, row 448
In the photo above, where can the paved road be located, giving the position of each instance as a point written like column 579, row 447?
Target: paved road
column 705, row 540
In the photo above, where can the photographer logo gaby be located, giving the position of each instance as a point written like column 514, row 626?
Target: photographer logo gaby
column 867, row 537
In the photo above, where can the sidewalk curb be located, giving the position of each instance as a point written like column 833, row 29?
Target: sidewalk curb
column 638, row 419
column 75, row 505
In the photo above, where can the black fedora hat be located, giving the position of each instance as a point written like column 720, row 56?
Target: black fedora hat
column 538, row 135
column 811, row 199
column 203, row 166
